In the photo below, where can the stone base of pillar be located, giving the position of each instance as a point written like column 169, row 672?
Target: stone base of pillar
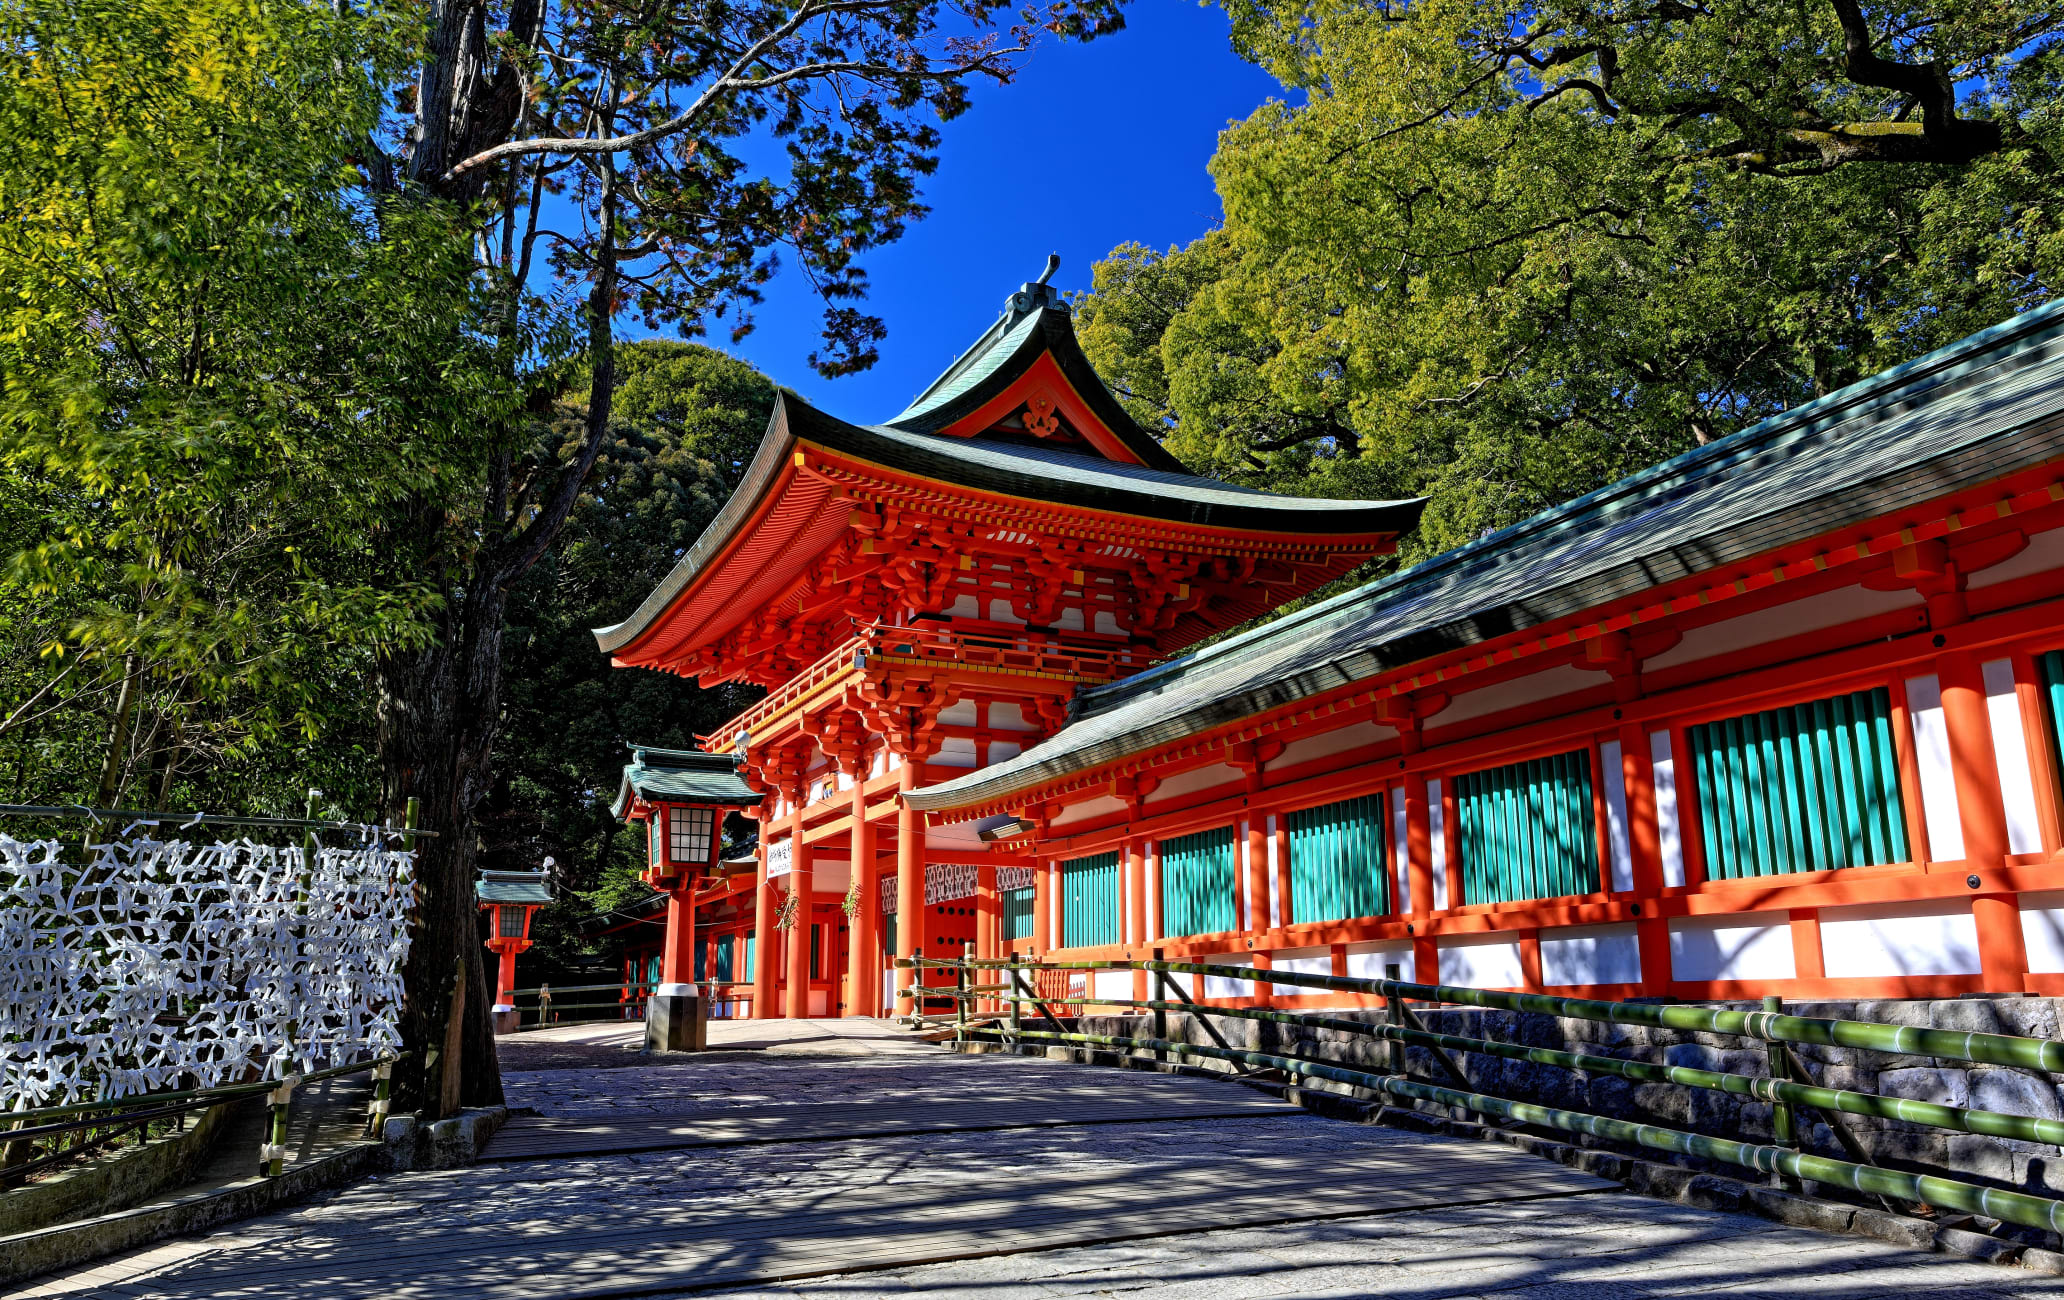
column 507, row 1019
column 676, row 1020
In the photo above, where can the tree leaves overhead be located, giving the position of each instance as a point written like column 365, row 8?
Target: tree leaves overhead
column 1503, row 253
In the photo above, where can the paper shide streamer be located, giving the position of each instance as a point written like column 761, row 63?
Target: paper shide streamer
column 165, row 963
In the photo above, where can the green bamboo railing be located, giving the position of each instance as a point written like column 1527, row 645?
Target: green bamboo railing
column 1769, row 1026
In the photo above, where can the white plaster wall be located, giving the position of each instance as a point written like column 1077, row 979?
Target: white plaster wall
column 1113, row 984
column 1591, row 954
column 1807, row 614
column 1436, row 825
column 2010, row 752
column 965, row 606
column 1202, row 778
column 961, row 713
column 1888, row 939
column 1938, row 781
column 1305, row 961
column 1101, row 806
column 2042, row 930
column 1486, row 963
column 1327, row 743
column 1220, row 986
column 1747, row 946
column 2044, row 552
column 1000, row 611
column 1275, row 886
column 1621, row 868
column 1002, row 750
column 1365, row 961
column 1008, row 715
column 1400, row 851
column 955, row 751
column 1530, row 689
column 1668, row 829
column 1107, row 623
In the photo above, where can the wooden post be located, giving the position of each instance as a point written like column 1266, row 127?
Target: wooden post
column 960, row 988
column 863, row 941
column 910, row 881
column 801, row 885
column 1016, row 1021
column 1782, row 1128
column 1394, row 1014
column 766, row 961
column 376, row 1110
column 454, row 1041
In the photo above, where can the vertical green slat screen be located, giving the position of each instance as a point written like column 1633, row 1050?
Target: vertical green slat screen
column 1337, row 857
column 1197, row 887
column 727, row 948
column 1809, row 787
column 1090, row 901
column 1527, row 830
column 1017, row 913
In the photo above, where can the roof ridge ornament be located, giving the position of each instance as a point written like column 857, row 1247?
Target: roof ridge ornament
column 1034, row 294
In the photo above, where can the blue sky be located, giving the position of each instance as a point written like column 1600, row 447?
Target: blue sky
column 1092, row 145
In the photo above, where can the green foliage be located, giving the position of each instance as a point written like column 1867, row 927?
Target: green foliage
column 685, row 421
column 196, row 450
column 1503, row 253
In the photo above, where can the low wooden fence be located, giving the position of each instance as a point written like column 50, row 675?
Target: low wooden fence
column 46, row 1136
column 1023, row 993
column 582, row 1004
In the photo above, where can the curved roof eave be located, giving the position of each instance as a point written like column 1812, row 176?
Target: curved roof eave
column 767, row 463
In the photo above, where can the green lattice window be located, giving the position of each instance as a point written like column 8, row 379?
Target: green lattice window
column 1091, row 902
column 1337, row 861
column 1017, row 912
column 1527, row 830
column 1198, row 892
column 1809, row 787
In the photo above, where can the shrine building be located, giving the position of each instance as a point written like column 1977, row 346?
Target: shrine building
column 1776, row 716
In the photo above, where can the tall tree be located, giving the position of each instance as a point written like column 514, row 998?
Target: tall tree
column 652, row 159
column 1505, row 252
column 195, row 454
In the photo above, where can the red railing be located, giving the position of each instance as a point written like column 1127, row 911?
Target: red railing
column 1024, row 656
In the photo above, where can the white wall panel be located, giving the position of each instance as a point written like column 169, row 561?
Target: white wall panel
column 1399, row 851
column 1436, row 824
column 2042, row 930
column 1592, row 954
column 1938, row 782
column 1305, row 961
column 1481, row 963
column 1889, row 939
column 1365, row 961
column 2010, row 752
column 1275, row 886
column 1665, row 778
column 1748, row 946
column 1621, row 868
column 1222, row 986
column 1114, row 984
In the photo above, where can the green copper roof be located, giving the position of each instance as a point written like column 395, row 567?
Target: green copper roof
column 985, row 358
column 682, row 776
column 512, row 887
column 1969, row 413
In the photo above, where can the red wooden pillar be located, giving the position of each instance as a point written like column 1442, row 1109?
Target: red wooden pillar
column 988, row 923
column 1042, row 907
column 1645, row 855
column 766, row 961
column 677, row 956
column 863, row 938
column 1257, row 873
column 1136, row 911
column 801, row 882
column 910, row 882
column 1418, row 845
column 1981, row 813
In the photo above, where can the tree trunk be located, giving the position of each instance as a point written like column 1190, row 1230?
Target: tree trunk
column 439, row 711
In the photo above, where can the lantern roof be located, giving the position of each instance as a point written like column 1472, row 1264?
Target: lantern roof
column 656, row 775
column 512, row 887
column 1964, row 415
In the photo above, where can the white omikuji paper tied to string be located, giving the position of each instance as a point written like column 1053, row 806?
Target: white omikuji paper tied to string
column 164, row 963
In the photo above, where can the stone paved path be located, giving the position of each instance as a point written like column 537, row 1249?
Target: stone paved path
column 1572, row 1239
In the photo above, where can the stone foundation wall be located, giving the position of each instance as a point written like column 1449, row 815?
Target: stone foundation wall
column 2026, row 1166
